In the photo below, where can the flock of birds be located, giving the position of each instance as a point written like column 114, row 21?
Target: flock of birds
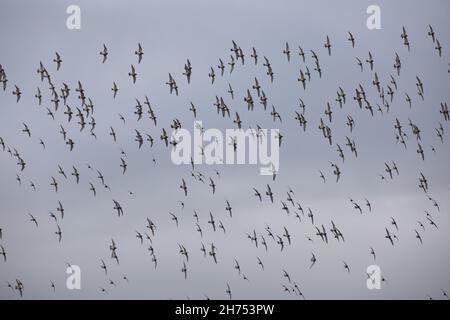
column 63, row 98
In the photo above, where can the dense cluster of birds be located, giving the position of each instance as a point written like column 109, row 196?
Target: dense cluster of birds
column 62, row 98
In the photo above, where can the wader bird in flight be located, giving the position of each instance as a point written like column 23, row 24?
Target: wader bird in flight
column 287, row 52
column 104, row 53
column 58, row 61
column 351, row 39
column 33, row 219
column 133, row 74
column 3, row 253
column 389, row 237
column 327, row 45
column 118, row 208
column 139, row 52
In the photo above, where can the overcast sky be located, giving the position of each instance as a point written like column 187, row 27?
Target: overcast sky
column 171, row 32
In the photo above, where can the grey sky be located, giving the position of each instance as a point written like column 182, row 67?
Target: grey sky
column 171, row 32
